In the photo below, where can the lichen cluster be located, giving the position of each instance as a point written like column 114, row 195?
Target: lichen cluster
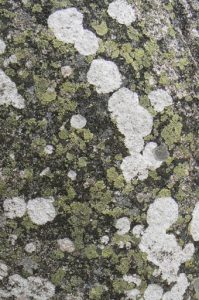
column 72, row 226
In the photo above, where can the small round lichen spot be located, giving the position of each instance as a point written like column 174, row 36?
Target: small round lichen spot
column 14, row 207
column 66, row 24
column 194, row 226
column 30, row 247
column 72, row 175
column 2, row 46
column 160, row 99
column 153, row 292
column 48, row 149
column 121, row 11
column 87, row 43
column 66, row 245
column 41, row 210
column 104, row 75
column 40, row 288
column 123, row 225
column 66, row 71
column 78, row 121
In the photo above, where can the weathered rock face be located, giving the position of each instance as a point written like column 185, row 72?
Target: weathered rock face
column 99, row 149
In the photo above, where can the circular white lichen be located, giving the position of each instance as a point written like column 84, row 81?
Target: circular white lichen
column 48, row 149
column 123, row 225
column 153, row 292
column 160, row 99
column 14, row 207
column 66, row 24
column 138, row 230
column 2, row 46
column 41, row 210
column 104, row 75
column 87, row 43
column 9, row 93
column 66, row 245
column 72, row 175
column 194, row 226
column 78, row 121
column 30, row 247
column 121, row 11
column 66, row 71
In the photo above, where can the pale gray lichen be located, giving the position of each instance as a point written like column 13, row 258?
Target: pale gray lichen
column 160, row 99
column 49, row 149
column 78, row 121
column 162, row 249
column 123, row 225
column 66, row 71
column 14, row 207
column 3, row 270
column 104, row 75
column 30, row 247
column 178, row 290
column 34, row 287
column 194, row 226
column 72, row 175
column 2, row 46
column 41, row 210
column 133, row 294
column 153, row 292
column 67, row 26
column 9, row 93
column 121, row 11
column 87, row 43
column 66, row 245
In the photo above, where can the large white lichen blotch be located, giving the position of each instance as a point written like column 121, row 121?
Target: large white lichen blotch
column 14, row 207
column 78, row 121
column 87, row 43
column 66, row 24
column 162, row 249
column 160, row 99
column 34, row 287
column 178, row 290
column 121, row 11
column 153, row 292
column 41, row 210
column 194, row 226
column 8, row 92
column 2, row 46
column 104, row 75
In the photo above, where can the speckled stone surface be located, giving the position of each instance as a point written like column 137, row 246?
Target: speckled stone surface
column 99, row 120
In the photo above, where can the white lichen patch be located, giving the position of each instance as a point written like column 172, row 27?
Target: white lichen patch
column 66, row 245
column 138, row 230
column 67, row 26
column 133, row 294
column 48, row 149
column 8, row 92
column 160, row 99
column 153, row 292
column 132, row 279
column 104, row 75
column 194, row 226
column 66, row 71
column 87, row 43
column 30, row 247
column 36, row 288
column 78, row 121
column 41, row 210
column 72, row 175
column 121, row 11
column 178, row 290
column 123, row 225
column 2, row 46
column 162, row 249
column 14, row 207
column 134, row 122
column 3, row 270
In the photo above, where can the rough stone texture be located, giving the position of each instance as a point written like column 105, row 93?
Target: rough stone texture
column 46, row 79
